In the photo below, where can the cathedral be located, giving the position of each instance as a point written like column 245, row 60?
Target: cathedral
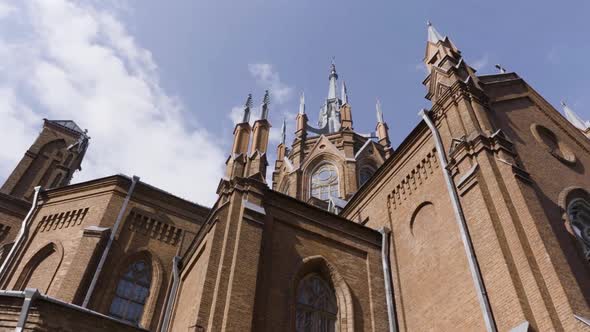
column 479, row 220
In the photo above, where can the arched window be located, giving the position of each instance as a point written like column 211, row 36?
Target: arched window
column 316, row 306
column 324, row 182
column 132, row 292
column 578, row 211
column 56, row 181
column 365, row 174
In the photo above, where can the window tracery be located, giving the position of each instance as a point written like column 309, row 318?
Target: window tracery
column 316, row 306
column 132, row 292
column 579, row 215
column 324, row 182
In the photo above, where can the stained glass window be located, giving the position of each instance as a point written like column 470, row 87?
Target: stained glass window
column 579, row 213
column 324, row 182
column 132, row 292
column 365, row 174
column 316, row 306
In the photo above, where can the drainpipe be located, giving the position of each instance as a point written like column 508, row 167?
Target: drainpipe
column 105, row 253
column 387, row 276
column 482, row 296
column 29, row 296
column 21, row 234
column 172, row 296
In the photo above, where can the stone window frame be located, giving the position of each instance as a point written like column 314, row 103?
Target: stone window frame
column 135, row 280
column 337, row 182
column 566, row 198
column 319, row 265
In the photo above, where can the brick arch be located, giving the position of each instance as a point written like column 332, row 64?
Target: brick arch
column 419, row 209
column 318, row 264
column 157, row 270
column 41, row 269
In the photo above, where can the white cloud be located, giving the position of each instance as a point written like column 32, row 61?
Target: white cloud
column 421, row 67
column 237, row 114
column 481, row 63
column 79, row 62
column 7, row 9
column 267, row 77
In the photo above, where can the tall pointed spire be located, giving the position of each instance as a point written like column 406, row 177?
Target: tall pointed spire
column 344, row 94
column 284, row 132
column 247, row 106
column 265, row 102
column 302, row 103
column 382, row 130
column 379, row 112
column 333, row 77
column 574, row 118
column 433, row 35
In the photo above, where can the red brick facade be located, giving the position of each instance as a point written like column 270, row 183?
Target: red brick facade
column 518, row 169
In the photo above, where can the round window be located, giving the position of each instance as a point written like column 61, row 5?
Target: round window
column 553, row 144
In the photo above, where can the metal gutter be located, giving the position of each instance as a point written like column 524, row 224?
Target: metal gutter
column 172, row 296
column 105, row 253
column 482, row 296
column 21, row 234
column 387, row 277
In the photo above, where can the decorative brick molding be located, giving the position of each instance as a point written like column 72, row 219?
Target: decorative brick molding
column 414, row 179
column 154, row 228
column 62, row 220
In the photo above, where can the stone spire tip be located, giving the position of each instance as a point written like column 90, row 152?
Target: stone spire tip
column 433, row 35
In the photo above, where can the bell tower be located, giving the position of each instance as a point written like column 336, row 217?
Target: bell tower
column 326, row 165
column 51, row 161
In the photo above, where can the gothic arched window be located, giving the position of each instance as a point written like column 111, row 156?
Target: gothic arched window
column 324, row 182
column 365, row 174
column 578, row 211
column 316, row 306
column 132, row 292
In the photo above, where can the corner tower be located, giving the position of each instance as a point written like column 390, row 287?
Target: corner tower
column 51, row 161
column 326, row 165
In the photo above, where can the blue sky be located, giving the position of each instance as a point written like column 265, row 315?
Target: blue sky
column 155, row 82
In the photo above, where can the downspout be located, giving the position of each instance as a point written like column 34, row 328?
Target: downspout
column 30, row 294
column 172, row 296
column 482, row 296
column 105, row 253
column 21, row 234
column 387, row 277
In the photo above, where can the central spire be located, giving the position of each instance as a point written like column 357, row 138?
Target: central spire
column 333, row 78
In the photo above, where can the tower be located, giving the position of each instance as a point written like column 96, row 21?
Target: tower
column 327, row 164
column 51, row 160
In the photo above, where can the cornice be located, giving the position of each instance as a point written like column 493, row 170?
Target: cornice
column 399, row 157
